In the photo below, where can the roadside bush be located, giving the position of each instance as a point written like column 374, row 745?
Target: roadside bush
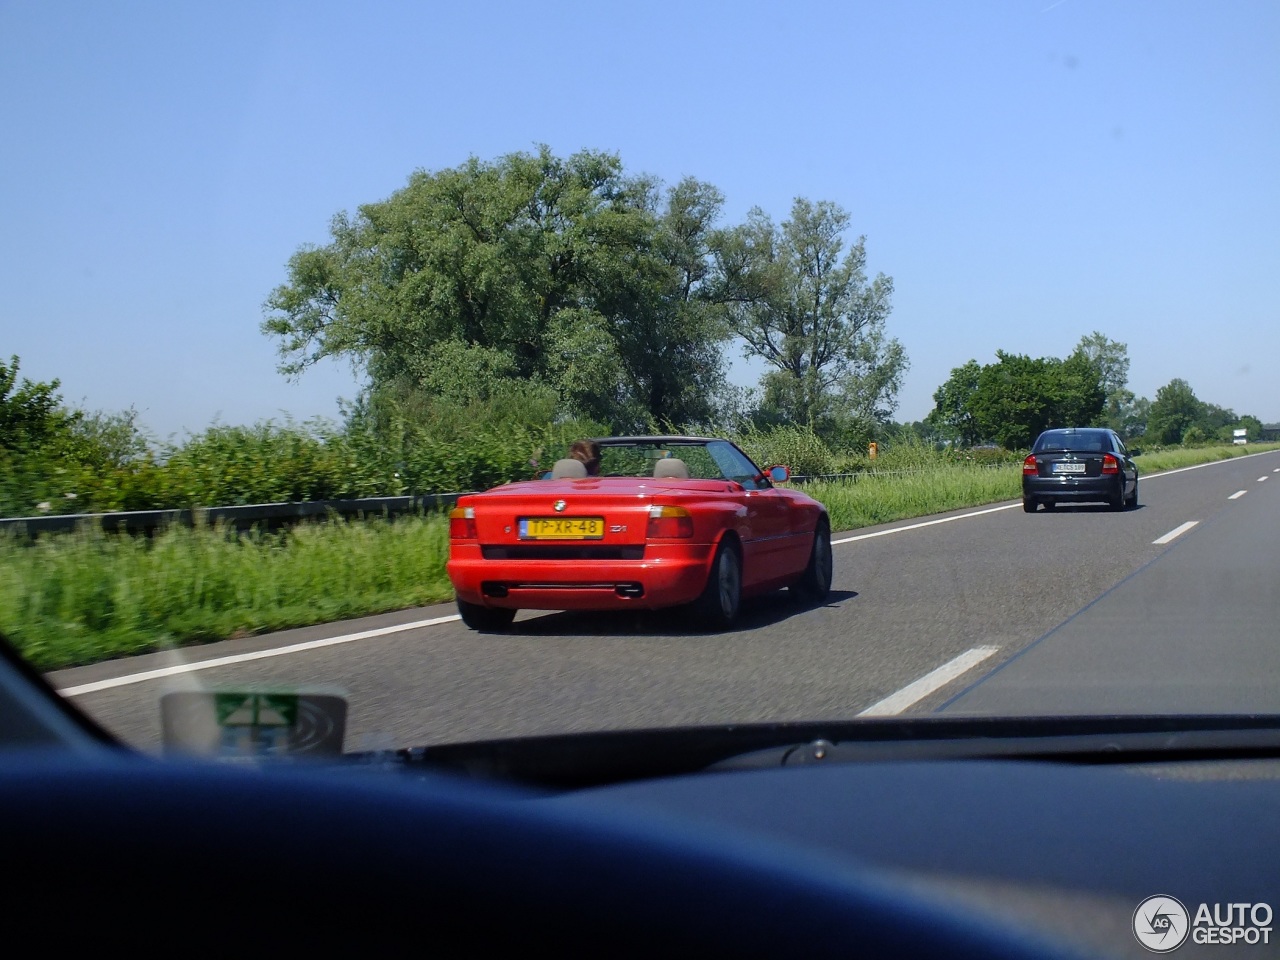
column 912, row 454
column 265, row 463
column 798, row 448
column 1194, row 437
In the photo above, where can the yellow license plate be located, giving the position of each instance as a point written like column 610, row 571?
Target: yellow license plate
column 562, row 528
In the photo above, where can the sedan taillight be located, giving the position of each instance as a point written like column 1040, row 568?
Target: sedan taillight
column 462, row 524
column 668, row 522
column 1029, row 468
column 1110, row 464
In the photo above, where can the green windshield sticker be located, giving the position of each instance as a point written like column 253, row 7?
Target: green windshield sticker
column 256, row 709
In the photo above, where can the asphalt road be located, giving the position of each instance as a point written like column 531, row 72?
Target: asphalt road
column 987, row 610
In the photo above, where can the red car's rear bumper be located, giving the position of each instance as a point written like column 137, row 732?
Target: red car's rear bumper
column 668, row 575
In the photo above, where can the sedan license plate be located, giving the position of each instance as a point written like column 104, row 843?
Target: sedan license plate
column 562, row 528
column 1068, row 468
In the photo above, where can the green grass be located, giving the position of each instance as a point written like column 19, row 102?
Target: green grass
column 1153, row 461
column 882, row 498
column 79, row 598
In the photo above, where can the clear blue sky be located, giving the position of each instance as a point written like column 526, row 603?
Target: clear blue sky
column 1027, row 171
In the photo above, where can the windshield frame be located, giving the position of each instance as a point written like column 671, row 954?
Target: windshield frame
column 731, row 461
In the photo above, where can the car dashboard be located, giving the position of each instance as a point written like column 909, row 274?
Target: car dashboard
column 882, row 839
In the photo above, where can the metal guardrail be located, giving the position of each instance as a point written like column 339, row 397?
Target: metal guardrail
column 269, row 515
column 802, row 478
column 275, row 515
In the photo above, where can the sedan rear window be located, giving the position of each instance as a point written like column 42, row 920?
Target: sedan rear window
column 1092, row 440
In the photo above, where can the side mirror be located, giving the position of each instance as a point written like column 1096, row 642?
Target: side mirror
column 778, row 474
column 1135, row 451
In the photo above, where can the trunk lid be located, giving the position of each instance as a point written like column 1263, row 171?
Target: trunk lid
column 577, row 517
column 1069, row 463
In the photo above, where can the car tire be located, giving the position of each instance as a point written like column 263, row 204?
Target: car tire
column 1028, row 505
column 485, row 619
column 1133, row 498
column 721, row 598
column 1116, row 500
column 815, row 583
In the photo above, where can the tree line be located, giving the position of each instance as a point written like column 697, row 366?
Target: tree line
column 566, row 287
column 501, row 308
column 1011, row 401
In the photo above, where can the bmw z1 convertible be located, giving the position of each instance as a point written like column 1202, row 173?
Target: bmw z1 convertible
column 665, row 521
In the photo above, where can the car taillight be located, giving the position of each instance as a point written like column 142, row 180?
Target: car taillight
column 668, row 522
column 1110, row 464
column 462, row 523
column 1029, row 468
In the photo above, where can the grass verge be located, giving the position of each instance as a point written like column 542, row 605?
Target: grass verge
column 79, row 598
column 1172, row 458
column 882, row 499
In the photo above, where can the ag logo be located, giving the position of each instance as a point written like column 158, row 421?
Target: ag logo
column 1161, row 924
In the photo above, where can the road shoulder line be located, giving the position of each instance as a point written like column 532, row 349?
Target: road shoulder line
column 181, row 668
column 926, row 523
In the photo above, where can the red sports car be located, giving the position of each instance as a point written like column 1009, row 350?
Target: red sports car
column 664, row 521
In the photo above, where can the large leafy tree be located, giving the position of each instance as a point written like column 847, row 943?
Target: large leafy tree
column 1133, row 418
column 951, row 417
column 1213, row 419
column 1175, row 409
column 49, row 451
column 802, row 302
column 1012, row 400
column 644, row 350
column 564, row 272
column 1111, row 359
column 31, row 414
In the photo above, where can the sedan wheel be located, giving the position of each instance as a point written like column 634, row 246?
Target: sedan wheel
column 1028, row 505
column 1116, row 500
column 720, row 600
column 1133, row 497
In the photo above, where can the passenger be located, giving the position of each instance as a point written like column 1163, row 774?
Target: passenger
column 588, row 452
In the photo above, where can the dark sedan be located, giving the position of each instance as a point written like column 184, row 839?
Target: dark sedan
column 1079, row 465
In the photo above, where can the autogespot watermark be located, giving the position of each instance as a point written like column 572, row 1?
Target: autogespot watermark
column 1162, row 924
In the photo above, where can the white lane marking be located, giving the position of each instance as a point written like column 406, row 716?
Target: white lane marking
column 1176, row 532
column 181, row 668
column 895, row 703
column 1237, row 495
column 927, row 523
column 1260, row 479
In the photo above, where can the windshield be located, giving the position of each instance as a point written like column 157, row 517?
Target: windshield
column 703, row 459
column 406, row 375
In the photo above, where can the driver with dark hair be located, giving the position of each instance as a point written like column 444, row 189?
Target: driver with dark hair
column 588, row 453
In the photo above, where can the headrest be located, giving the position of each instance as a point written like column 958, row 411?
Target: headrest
column 568, row 469
column 672, row 469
